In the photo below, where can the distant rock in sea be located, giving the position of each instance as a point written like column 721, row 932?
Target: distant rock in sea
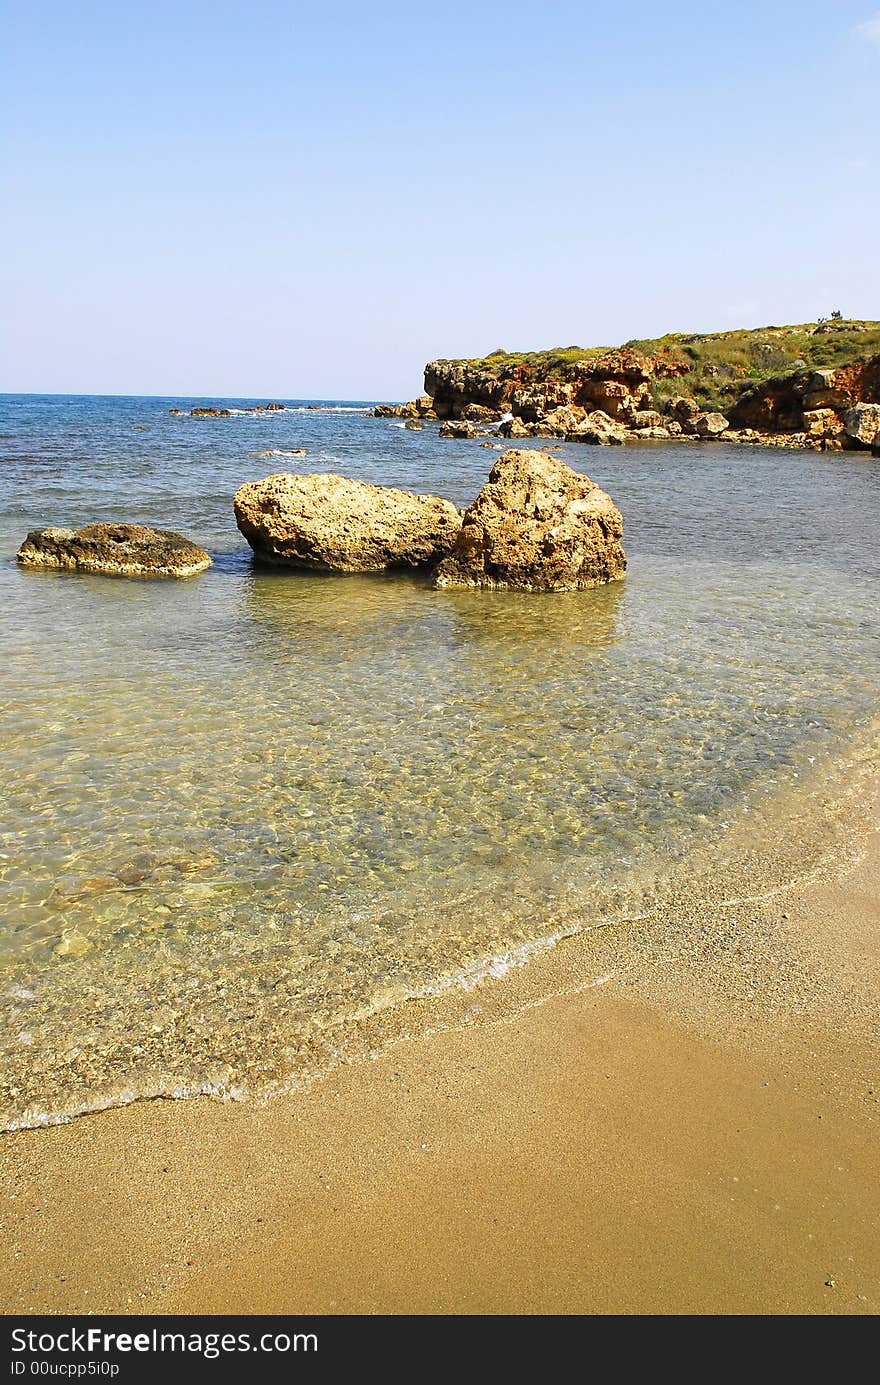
column 118, row 550
column 333, row 524
column 536, row 526
column 282, row 452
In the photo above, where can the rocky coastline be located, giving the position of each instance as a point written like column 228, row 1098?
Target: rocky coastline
column 627, row 396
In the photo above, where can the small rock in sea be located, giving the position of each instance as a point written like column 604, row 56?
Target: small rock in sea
column 211, row 413
column 175, row 411
column 513, row 428
column 118, row 550
column 334, row 524
column 536, row 526
column 282, row 452
column 459, row 428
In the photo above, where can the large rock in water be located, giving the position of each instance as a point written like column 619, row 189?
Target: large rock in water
column 120, row 550
column 336, row 525
column 536, row 526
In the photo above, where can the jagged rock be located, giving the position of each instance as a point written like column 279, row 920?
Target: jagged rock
column 536, row 526
column 334, row 524
column 619, row 398
column 478, row 413
column 415, row 424
column 821, row 392
column 862, row 424
column 175, row 411
column 654, row 434
column 711, row 425
column 648, row 418
column 118, row 550
column 521, row 387
column 599, row 430
column 211, row 413
column 822, row 423
column 513, row 428
column 408, row 410
column 682, row 408
column 562, row 420
column 779, row 404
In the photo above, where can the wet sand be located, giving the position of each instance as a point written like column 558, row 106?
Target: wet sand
column 678, row 1117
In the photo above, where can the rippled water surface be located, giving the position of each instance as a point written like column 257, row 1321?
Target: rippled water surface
column 243, row 810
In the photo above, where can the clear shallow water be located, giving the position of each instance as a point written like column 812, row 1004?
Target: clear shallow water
column 241, row 811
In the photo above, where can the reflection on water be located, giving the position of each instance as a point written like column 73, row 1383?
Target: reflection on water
column 242, row 810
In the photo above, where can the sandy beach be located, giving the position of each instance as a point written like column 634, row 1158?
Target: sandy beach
column 679, row 1117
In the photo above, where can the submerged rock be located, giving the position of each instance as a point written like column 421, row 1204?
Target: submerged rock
column 536, row 526
column 333, row 524
column 119, row 550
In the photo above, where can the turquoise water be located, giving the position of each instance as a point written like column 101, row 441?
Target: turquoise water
column 244, row 811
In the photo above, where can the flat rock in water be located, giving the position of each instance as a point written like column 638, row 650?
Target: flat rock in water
column 536, row 526
column 119, row 550
column 333, row 524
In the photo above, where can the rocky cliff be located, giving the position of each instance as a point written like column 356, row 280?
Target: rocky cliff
column 708, row 386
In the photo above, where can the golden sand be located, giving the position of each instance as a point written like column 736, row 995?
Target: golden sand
column 680, row 1117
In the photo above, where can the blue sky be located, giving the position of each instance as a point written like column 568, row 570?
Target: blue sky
column 312, row 201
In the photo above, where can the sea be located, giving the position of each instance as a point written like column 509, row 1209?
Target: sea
column 243, row 813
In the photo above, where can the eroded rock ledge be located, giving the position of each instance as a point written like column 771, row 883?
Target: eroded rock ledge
column 536, row 526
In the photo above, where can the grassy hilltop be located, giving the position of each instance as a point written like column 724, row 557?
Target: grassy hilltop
column 718, row 365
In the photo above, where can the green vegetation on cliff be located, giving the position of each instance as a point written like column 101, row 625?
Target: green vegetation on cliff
column 714, row 367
